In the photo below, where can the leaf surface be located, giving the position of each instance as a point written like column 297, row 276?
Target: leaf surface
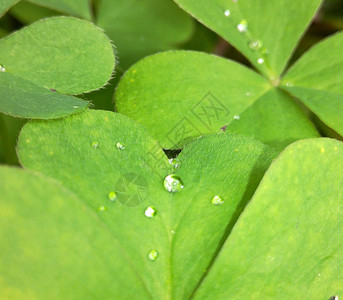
column 78, row 8
column 288, row 242
column 22, row 98
column 195, row 93
column 87, row 161
column 326, row 105
column 5, row 5
column 274, row 119
column 278, row 25
column 67, row 54
column 47, row 56
column 316, row 79
column 54, row 246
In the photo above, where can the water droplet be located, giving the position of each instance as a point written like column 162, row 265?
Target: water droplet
column 289, row 84
column 102, row 208
column 173, row 183
column 2, row 68
column 236, row 117
column 75, row 106
column 174, row 163
column 112, row 196
column 227, row 13
column 153, row 255
column 95, row 144
column 150, row 212
column 242, row 26
column 255, row 45
column 172, row 231
column 217, row 200
column 260, row 61
column 120, row 146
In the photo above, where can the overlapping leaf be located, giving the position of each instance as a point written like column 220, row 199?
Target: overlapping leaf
column 275, row 119
column 278, row 25
column 197, row 94
column 87, row 161
column 316, row 79
column 78, row 8
column 288, row 242
column 65, row 54
column 6, row 5
column 54, row 246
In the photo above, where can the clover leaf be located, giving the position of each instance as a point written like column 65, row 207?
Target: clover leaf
column 52, row 57
column 173, row 85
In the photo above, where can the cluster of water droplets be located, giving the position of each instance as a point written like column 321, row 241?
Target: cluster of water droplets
column 254, row 44
column 172, row 184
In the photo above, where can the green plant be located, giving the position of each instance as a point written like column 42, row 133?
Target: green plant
column 100, row 211
column 261, row 105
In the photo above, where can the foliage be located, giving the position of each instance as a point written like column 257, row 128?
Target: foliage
column 214, row 180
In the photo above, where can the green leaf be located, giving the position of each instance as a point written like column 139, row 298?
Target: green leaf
column 5, row 5
column 22, row 98
column 28, row 13
column 78, row 8
column 320, row 68
column 316, row 79
column 140, row 28
column 288, row 242
column 327, row 106
column 196, row 94
column 274, row 119
column 68, row 54
column 277, row 24
column 54, row 246
column 87, row 161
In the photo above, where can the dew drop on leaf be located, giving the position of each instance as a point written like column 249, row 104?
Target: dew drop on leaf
column 153, row 255
column 242, row 26
column 227, row 13
column 75, row 106
column 2, row 68
column 217, row 200
column 150, row 212
column 236, row 117
column 112, row 196
column 260, row 61
column 173, row 183
column 255, row 45
column 95, row 144
column 174, row 163
column 120, row 146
